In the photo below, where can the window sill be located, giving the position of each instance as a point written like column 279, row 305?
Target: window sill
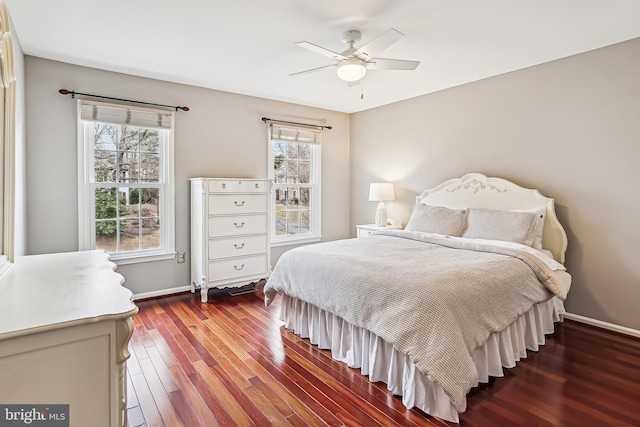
column 295, row 241
column 135, row 258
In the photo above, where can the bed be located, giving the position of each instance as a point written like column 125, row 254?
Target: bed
column 474, row 280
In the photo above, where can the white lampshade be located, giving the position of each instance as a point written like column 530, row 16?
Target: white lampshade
column 351, row 70
column 381, row 191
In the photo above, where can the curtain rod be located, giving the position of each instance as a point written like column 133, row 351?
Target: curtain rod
column 266, row 119
column 73, row 95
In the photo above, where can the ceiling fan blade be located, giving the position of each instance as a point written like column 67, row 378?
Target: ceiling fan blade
column 391, row 64
column 320, row 50
column 313, row 70
column 378, row 44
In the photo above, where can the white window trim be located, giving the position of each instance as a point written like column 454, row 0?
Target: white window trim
column 86, row 203
column 316, row 199
column 7, row 144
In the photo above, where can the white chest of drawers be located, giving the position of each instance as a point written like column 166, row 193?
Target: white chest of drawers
column 229, row 232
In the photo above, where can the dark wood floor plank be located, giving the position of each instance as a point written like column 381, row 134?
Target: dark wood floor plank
column 160, row 394
column 222, row 417
column 183, row 409
column 290, row 399
column 230, row 362
column 199, row 408
column 224, row 396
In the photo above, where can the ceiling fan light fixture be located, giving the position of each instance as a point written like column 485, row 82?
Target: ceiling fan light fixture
column 351, row 70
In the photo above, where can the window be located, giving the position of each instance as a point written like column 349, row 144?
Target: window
column 294, row 167
column 126, row 181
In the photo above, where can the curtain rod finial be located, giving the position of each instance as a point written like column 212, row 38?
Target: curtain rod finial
column 185, row 108
column 64, row 91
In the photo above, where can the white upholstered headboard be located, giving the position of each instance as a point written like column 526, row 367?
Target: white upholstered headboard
column 475, row 190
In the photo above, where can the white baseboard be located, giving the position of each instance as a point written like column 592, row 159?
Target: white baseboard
column 604, row 325
column 161, row 292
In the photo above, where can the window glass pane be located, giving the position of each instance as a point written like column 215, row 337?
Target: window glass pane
column 293, row 194
column 128, row 166
column 131, row 200
column 304, row 221
column 150, row 167
column 129, row 235
column 305, row 194
column 292, row 150
column 304, row 151
column 104, row 136
column 292, row 171
column 104, row 166
column 149, row 202
column 293, row 222
column 149, row 141
column 106, row 235
column 129, row 138
column 150, row 233
column 303, row 172
column 106, row 207
column 281, row 220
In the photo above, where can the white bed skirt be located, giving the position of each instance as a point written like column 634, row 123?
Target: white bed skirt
column 378, row 359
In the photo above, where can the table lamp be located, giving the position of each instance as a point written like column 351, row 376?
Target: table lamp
column 380, row 192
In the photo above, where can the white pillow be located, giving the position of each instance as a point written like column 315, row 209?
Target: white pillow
column 436, row 219
column 510, row 226
column 541, row 213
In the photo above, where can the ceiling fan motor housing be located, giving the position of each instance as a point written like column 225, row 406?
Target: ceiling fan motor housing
column 351, row 37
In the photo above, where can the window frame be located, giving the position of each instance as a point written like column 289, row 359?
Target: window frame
column 87, row 186
column 314, row 185
column 7, row 144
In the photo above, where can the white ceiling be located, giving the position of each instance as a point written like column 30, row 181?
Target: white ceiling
column 247, row 46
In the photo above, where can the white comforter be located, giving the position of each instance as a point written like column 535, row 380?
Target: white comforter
column 435, row 298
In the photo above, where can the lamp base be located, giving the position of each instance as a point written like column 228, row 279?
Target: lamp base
column 381, row 215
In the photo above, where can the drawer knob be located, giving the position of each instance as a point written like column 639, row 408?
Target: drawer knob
column 239, row 204
column 238, row 268
column 224, row 185
column 238, row 247
column 238, row 226
column 257, row 185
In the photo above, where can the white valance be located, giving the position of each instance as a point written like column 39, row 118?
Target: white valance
column 121, row 114
column 289, row 133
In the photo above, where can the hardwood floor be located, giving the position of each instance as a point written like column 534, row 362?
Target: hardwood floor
column 229, row 363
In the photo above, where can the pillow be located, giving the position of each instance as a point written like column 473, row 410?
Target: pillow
column 436, row 219
column 541, row 213
column 510, row 226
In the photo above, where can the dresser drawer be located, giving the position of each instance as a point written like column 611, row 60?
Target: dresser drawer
column 237, row 246
column 238, row 267
column 220, row 226
column 237, row 203
column 237, row 186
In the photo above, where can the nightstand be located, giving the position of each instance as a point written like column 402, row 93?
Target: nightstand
column 366, row 229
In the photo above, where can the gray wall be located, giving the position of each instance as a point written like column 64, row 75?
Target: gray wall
column 221, row 136
column 570, row 128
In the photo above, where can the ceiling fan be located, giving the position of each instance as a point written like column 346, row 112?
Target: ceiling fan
column 352, row 63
